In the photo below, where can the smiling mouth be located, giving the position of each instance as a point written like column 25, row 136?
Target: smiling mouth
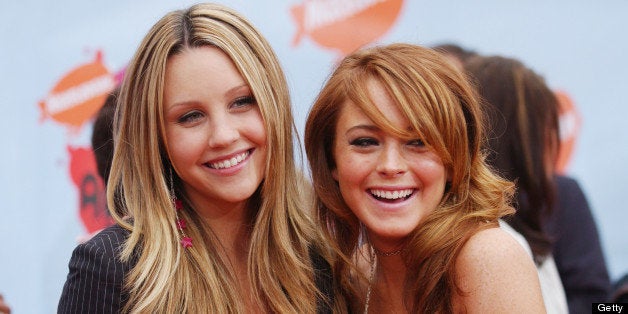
column 391, row 196
column 231, row 162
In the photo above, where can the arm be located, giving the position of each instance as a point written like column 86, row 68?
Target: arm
column 95, row 280
column 496, row 275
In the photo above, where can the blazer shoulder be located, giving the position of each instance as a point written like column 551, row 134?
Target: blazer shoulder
column 96, row 275
column 110, row 240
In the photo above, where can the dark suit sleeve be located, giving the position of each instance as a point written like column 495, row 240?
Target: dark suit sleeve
column 324, row 283
column 577, row 250
column 95, row 279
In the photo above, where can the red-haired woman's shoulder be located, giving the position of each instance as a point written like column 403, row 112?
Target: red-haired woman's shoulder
column 495, row 274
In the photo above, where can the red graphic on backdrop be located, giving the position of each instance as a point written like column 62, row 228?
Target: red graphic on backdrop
column 344, row 25
column 73, row 101
column 570, row 123
column 92, row 202
column 79, row 94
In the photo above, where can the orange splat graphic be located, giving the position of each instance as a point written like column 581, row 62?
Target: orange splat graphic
column 79, row 94
column 90, row 187
column 570, row 124
column 344, row 25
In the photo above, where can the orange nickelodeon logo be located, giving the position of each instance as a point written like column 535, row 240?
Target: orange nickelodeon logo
column 79, row 94
column 344, row 25
column 569, row 125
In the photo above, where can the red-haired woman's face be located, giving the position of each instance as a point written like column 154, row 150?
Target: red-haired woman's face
column 391, row 184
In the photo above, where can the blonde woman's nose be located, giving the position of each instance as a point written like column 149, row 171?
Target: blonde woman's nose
column 222, row 133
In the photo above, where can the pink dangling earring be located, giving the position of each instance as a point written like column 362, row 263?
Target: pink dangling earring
column 186, row 241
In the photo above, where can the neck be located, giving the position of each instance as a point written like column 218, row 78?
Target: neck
column 391, row 271
column 228, row 226
column 388, row 285
column 232, row 239
column 227, row 220
column 388, row 253
column 232, row 235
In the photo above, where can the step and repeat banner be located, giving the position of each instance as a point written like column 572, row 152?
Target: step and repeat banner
column 59, row 60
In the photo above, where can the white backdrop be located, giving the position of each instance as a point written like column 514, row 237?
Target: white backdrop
column 579, row 46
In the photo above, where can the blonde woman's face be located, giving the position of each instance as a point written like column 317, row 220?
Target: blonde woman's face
column 216, row 137
column 390, row 184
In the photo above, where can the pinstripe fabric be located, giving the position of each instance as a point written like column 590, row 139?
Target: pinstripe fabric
column 94, row 283
column 96, row 275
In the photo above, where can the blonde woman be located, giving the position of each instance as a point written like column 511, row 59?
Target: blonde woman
column 203, row 185
column 404, row 195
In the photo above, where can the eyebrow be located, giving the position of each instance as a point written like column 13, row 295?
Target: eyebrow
column 371, row 128
column 229, row 93
column 368, row 127
column 240, row 88
column 365, row 127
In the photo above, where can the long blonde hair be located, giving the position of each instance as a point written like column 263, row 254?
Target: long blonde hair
column 443, row 110
column 166, row 277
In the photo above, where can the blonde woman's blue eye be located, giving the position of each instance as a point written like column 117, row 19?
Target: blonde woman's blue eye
column 244, row 101
column 190, row 117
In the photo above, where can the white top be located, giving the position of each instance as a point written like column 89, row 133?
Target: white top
column 551, row 285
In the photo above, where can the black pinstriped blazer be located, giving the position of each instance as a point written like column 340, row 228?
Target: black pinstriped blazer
column 95, row 281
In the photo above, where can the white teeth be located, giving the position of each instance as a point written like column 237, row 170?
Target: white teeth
column 229, row 162
column 392, row 195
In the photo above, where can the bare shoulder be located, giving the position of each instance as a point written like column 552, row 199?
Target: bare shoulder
column 497, row 275
column 495, row 243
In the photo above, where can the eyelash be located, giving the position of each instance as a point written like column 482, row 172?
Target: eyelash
column 239, row 103
column 363, row 142
column 417, row 142
column 244, row 101
column 189, row 117
column 366, row 141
